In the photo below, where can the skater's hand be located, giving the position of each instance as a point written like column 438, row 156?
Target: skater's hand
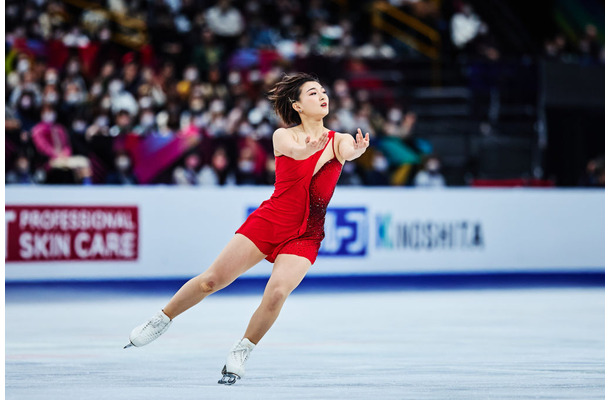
column 361, row 143
column 314, row 146
column 350, row 148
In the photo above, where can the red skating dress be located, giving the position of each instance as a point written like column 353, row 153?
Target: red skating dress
column 292, row 220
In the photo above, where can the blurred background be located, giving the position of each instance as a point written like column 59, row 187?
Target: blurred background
column 455, row 93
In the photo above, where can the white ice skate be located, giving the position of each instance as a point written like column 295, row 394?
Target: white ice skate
column 150, row 330
column 235, row 368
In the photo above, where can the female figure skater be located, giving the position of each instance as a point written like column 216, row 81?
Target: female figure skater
column 287, row 229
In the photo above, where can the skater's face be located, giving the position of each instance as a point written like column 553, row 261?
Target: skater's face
column 313, row 101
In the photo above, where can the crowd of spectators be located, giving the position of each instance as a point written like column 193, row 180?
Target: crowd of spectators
column 94, row 95
column 83, row 107
column 588, row 49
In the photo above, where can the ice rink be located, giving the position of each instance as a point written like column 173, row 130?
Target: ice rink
column 432, row 344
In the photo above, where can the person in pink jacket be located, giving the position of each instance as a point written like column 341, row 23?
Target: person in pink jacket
column 51, row 140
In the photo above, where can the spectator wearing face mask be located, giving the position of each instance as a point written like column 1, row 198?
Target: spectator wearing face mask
column 51, row 139
column 147, row 123
column 77, row 130
column 122, row 124
column 49, row 136
column 377, row 174
column 221, row 168
column 121, row 99
column 26, row 84
column 430, row 176
column 73, row 100
column 74, row 75
column 226, row 22
column 99, row 127
column 187, row 174
column 27, row 111
column 246, row 167
column 123, row 173
column 20, row 174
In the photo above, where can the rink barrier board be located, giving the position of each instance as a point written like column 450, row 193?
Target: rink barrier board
column 160, row 232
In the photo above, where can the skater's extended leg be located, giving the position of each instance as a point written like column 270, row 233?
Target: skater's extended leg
column 238, row 256
column 288, row 272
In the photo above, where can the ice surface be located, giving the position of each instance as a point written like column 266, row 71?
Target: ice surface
column 479, row 344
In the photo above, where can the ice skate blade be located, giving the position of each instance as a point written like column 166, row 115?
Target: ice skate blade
column 228, row 379
column 129, row 345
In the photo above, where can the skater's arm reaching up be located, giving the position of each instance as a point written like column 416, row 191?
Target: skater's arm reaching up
column 350, row 148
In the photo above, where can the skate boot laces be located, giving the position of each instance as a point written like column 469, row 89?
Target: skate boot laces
column 150, row 330
column 155, row 321
column 240, row 354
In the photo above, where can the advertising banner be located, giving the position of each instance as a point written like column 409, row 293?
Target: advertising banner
column 173, row 232
column 59, row 233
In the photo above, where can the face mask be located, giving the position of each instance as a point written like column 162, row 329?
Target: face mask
column 246, row 166
column 255, row 75
column 263, row 105
column 72, row 98
column 51, row 79
column 162, row 119
column 105, row 35
column 73, row 68
column 23, row 66
column 123, row 163
column 234, row 78
column 96, row 90
column 433, row 166
column 115, row 87
column 196, row 105
column 255, row 116
column 264, row 130
column 342, row 90
column 106, row 103
column 51, row 97
column 380, row 164
column 147, row 120
column 48, row 117
column 394, row 115
column 199, row 121
column 190, row 75
column 145, row 102
column 217, row 106
column 244, row 129
column 79, row 126
column 102, row 121
column 26, row 102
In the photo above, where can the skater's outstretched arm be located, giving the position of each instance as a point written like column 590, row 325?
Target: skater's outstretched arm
column 350, row 148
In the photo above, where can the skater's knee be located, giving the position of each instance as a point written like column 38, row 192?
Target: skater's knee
column 207, row 286
column 276, row 297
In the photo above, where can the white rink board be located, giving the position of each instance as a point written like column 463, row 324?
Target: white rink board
column 369, row 231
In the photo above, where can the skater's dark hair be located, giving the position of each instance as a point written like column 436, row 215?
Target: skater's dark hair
column 287, row 91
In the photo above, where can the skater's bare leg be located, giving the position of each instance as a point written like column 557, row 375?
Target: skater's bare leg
column 288, row 272
column 239, row 255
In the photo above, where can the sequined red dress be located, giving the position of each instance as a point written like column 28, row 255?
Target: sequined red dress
column 292, row 220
